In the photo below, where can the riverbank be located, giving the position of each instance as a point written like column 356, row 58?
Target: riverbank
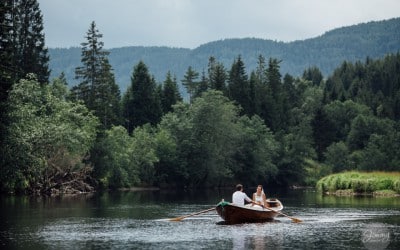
column 361, row 183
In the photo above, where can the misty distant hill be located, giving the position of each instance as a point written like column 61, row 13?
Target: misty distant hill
column 328, row 51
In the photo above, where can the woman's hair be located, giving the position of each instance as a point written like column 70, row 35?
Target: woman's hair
column 260, row 187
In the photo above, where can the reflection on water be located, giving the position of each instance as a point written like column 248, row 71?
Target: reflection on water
column 139, row 220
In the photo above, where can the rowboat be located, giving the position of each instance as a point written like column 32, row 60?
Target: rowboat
column 235, row 214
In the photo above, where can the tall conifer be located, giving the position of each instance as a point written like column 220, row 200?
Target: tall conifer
column 170, row 93
column 97, row 88
column 238, row 88
column 22, row 47
column 190, row 82
column 141, row 104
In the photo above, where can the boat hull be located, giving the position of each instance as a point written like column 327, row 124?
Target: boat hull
column 233, row 214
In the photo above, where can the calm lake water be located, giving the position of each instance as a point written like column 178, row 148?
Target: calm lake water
column 139, row 220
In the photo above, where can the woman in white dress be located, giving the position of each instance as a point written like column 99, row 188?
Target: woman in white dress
column 259, row 196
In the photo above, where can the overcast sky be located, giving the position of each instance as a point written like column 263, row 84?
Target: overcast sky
column 190, row 23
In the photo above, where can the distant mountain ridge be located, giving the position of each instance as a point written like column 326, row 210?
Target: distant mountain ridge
column 357, row 42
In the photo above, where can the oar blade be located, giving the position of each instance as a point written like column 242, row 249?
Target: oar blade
column 177, row 219
column 295, row 220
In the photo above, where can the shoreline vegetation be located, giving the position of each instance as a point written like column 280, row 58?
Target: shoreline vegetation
column 356, row 183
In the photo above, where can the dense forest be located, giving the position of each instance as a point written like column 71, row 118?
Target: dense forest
column 352, row 43
column 254, row 126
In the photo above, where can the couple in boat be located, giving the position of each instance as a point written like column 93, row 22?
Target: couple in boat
column 259, row 198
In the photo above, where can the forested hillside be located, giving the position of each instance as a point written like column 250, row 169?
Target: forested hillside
column 373, row 39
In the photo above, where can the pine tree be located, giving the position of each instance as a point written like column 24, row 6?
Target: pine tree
column 202, row 85
column 219, row 78
column 190, row 83
column 217, row 75
column 22, row 48
column 258, row 90
column 97, row 88
column 314, row 75
column 141, row 104
column 274, row 95
column 170, row 93
column 92, row 59
column 32, row 54
column 238, row 87
column 107, row 101
column 7, row 49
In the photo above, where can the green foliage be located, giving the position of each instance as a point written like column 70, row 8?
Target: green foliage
column 217, row 75
column 190, row 82
column 255, row 129
column 141, row 103
column 396, row 186
column 113, row 159
column 214, row 145
column 315, row 171
column 22, row 49
column 256, row 151
column 238, row 85
column 362, row 127
column 374, row 84
column 340, row 116
column 337, row 156
column 47, row 135
column 314, row 75
column 360, row 182
column 167, row 168
column 97, row 88
column 144, row 154
column 123, row 161
column 22, row 43
column 169, row 93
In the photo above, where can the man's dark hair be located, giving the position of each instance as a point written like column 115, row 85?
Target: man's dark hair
column 239, row 187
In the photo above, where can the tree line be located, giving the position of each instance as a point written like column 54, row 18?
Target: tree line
column 254, row 128
column 356, row 42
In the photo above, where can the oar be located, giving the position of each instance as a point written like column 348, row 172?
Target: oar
column 185, row 216
column 295, row 220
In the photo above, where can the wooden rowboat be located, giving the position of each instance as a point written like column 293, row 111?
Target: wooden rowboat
column 234, row 214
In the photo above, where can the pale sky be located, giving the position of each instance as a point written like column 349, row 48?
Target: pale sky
column 191, row 23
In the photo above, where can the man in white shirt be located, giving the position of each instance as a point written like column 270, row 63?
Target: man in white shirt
column 239, row 196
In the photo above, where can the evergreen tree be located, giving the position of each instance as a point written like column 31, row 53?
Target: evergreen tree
column 202, row 86
column 170, row 93
column 190, row 83
column 254, row 101
column 107, row 99
column 274, row 98
column 92, row 58
column 31, row 51
column 218, row 80
column 238, row 87
column 22, row 47
column 216, row 75
column 260, row 70
column 322, row 132
column 259, row 82
column 141, row 104
column 314, row 75
column 97, row 88
column 8, row 67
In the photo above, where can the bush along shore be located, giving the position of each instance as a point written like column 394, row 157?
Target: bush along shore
column 361, row 183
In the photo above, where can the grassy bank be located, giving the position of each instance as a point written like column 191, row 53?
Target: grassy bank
column 354, row 182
